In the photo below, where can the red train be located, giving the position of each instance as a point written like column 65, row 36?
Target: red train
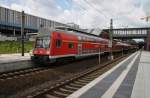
column 52, row 44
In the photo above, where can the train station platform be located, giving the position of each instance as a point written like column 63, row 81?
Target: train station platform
column 129, row 79
column 11, row 62
column 8, row 58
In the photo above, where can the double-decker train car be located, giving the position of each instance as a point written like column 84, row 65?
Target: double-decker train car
column 52, row 44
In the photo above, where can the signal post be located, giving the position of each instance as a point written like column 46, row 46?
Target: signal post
column 111, row 39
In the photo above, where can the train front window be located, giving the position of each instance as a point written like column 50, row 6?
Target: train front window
column 43, row 42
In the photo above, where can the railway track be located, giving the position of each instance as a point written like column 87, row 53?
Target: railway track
column 21, row 73
column 66, row 87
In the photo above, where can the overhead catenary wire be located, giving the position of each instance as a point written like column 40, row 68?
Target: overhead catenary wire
column 86, row 11
column 101, row 14
column 98, row 10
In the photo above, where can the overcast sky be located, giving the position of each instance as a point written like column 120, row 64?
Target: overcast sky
column 86, row 13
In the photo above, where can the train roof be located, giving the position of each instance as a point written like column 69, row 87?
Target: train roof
column 80, row 32
column 45, row 32
column 76, row 30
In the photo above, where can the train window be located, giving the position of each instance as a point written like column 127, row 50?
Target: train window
column 70, row 45
column 58, row 43
column 42, row 42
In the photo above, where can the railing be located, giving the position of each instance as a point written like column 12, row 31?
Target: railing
column 4, row 38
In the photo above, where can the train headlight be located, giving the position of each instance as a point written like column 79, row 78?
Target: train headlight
column 35, row 52
column 47, row 52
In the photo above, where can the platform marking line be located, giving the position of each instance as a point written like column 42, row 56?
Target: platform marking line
column 114, row 87
column 85, row 88
column 139, row 85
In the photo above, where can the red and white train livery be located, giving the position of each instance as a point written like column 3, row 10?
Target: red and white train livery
column 52, row 44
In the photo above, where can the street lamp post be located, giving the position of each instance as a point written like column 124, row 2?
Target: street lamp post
column 22, row 32
column 111, row 38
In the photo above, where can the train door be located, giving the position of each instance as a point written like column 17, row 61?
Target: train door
column 79, row 48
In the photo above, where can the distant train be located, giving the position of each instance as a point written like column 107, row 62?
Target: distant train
column 52, row 44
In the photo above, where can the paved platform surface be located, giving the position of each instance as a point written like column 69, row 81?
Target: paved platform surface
column 129, row 79
column 10, row 62
column 8, row 58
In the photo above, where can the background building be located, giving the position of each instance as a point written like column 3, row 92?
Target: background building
column 10, row 24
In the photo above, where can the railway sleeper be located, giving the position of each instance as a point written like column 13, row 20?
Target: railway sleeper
column 91, row 77
column 66, row 90
column 63, row 94
column 77, row 85
column 88, row 79
column 96, row 73
column 84, row 79
column 82, row 83
column 63, row 91
column 17, row 72
column 72, row 87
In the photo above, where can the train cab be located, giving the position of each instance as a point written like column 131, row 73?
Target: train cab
column 42, row 46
